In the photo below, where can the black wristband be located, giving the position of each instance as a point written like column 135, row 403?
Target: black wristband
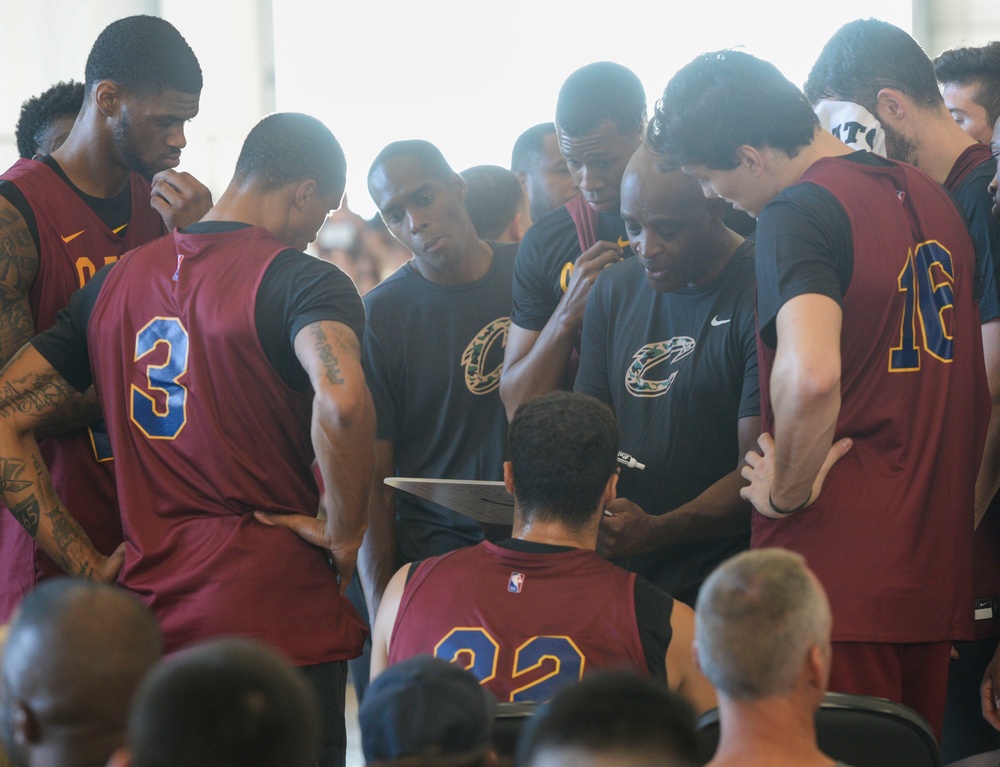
column 785, row 512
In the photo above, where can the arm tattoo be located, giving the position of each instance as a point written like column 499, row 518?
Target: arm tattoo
column 34, row 394
column 26, row 513
column 18, row 268
column 330, row 363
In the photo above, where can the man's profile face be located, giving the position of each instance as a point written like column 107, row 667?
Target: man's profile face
column 149, row 131
column 968, row 113
column 737, row 186
column 424, row 212
column 549, row 184
column 597, row 162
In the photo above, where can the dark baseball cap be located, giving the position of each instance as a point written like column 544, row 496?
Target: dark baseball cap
column 425, row 705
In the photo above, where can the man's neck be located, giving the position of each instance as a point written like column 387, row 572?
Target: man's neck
column 554, row 533
column 472, row 266
column 940, row 141
column 88, row 159
column 774, row 732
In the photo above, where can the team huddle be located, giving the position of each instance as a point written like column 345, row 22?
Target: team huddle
column 782, row 302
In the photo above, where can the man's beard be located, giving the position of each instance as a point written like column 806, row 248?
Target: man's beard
column 124, row 141
column 898, row 146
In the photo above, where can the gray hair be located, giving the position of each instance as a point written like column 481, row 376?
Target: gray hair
column 756, row 618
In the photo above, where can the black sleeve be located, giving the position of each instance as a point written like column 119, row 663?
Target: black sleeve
column 653, row 609
column 64, row 345
column 296, row 290
column 975, row 204
column 804, row 245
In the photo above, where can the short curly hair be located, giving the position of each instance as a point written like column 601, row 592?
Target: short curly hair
column 63, row 99
column 145, row 54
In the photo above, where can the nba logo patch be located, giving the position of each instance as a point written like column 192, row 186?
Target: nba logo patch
column 515, row 583
column 901, row 195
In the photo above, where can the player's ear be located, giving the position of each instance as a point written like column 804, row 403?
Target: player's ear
column 459, row 186
column 891, row 103
column 304, row 193
column 508, row 477
column 750, row 157
column 611, row 489
column 108, row 97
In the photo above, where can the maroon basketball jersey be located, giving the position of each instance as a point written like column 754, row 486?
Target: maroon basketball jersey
column 74, row 243
column 204, row 432
column 525, row 624
column 891, row 534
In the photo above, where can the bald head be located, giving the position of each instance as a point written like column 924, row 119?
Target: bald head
column 74, row 657
column 758, row 616
column 678, row 234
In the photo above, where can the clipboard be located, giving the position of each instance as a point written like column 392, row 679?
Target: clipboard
column 481, row 500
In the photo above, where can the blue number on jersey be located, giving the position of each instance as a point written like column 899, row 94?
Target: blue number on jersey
column 164, row 420
column 927, row 282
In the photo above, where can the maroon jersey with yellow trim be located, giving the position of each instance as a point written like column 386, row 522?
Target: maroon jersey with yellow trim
column 74, row 243
column 526, row 624
column 890, row 537
column 205, row 432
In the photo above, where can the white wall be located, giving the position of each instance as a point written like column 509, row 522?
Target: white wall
column 467, row 76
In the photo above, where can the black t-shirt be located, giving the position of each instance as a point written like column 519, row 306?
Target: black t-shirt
column 433, row 355
column 974, row 200
column 545, row 261
column 680, row 370
column 296, row 290
column 653, row 608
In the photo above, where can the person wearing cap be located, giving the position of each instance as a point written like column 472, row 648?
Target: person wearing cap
column 513, row 612
column 425, row 710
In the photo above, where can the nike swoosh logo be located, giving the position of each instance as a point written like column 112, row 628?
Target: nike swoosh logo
column 73, row 236
column 623, row 242
column 115, row 231
column 716, row 321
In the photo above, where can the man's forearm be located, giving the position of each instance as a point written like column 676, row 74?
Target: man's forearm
column 717, row 512
column 29, row 495
column 543, row 369
column 377, row 558
column 805, row 419
column 344, row 444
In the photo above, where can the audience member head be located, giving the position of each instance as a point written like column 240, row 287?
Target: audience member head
column 563, row 449
column 970, row 79
column 426, row 711
column 878, row 66
column 611, row 719
column 225, row 703
column 724, row 100
column 676, row 232
column 421, row 200
column 600, row 116
column 539, row 164
column 75, row 655
column 143, row 83
column 297, row 153
column 496, row 202
column 47, row 118
column 762, row 628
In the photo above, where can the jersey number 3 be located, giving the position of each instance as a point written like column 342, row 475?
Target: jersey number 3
column 927, row 283
column 160, row 410
column 477, row 651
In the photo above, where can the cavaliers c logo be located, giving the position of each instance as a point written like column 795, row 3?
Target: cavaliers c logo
column 637, row 379
column 475, row 354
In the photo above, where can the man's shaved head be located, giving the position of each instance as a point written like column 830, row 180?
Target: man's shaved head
column 74, row 657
